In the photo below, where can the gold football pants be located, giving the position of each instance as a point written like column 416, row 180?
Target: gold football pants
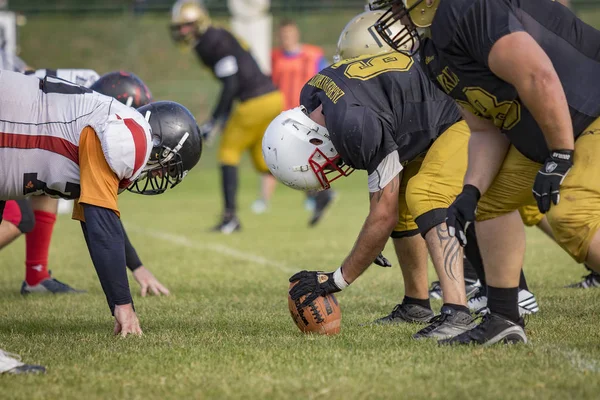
column 576, row 218
column 246, row 127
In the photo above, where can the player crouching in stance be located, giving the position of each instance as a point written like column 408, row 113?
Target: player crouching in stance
column 534, row 121
column 35, row 216
column 381, row 114
column 64, row 140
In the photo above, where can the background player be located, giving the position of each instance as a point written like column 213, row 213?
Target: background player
column 109, row 147
column 259, row 101
column 292, row 65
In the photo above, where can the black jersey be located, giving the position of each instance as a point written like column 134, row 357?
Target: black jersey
column 216, row 44
column 456, row 58
column 376, row 105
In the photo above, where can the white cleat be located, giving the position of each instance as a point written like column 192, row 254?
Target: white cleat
column 11, row 364
column 527, row 303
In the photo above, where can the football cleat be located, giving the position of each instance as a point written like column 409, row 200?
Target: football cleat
column 471, row 287
column 406, row 313
column 527, row 303
column 11, row 364
column 591, row 280
column 229, row 224
column 494, row 328
column 49, row 285
column 322, row 201
column 446, row 325
column 259, row 206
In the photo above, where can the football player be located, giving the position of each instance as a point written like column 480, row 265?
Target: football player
column 243, row 126
column 380, row 113
column 64, row 140
column 533, row 129
column 35, row 217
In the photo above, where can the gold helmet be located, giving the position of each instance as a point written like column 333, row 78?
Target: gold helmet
column 420, row 14
column 190, row 13
column 359, row 37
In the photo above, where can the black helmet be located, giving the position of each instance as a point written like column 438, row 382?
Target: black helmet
column 177, row 147
column 125, row 87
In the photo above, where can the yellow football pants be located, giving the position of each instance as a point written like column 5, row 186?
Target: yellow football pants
column 246, row 127
column 576, row 219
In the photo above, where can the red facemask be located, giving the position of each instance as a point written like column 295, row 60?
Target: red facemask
column 328, row 169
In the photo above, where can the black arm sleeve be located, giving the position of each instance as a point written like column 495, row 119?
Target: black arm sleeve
column 104, row 236
column 228, row 93
column 131, row 256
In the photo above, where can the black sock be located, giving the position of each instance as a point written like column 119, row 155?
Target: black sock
column 523, row 282
column 504, row 302
column 469, row 271
column 474, row 256
column 411, row 300
column 457, row 307
column 229, row 179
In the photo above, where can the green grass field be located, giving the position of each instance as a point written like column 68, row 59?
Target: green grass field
column 225, row 332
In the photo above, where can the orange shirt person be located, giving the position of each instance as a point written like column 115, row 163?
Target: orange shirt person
column 294, row 63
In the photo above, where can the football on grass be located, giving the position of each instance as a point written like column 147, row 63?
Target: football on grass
column 321, row 316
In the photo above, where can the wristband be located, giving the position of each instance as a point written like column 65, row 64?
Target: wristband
column 338, row 279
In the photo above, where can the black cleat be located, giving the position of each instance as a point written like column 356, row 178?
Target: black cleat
column 591, row 280
column 50, row 285
column 446, row 325
column 407, row 313
column 229, row 224
column 323, row 200
column 494, row 328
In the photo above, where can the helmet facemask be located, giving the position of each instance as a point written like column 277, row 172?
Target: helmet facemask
column 415, row 15
column 328, row 169
column 163, row 171
column 188, row 38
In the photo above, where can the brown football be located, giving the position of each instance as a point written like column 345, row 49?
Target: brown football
column 322, row 316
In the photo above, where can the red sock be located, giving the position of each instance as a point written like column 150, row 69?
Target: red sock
column 37, row 245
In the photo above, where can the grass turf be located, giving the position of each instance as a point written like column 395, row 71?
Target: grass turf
column 226, row 331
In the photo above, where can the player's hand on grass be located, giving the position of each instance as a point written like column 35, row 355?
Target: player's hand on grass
column 313, row 284
column 461, row 213
column 546, row 186
column 126, row 321
column 148, row 283
column 209, row 130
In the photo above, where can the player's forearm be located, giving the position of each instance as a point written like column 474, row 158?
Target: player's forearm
column 104, row 236
column 543, row 95
column 227, row 97
column 131, row 257
column 371, row 241
column 486, row 154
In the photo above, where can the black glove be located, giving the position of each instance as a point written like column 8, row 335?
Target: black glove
column 461, row 213
column 313, row 282
column 549, row 178
column 382, row 261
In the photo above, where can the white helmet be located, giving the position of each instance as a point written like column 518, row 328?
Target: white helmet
column 299, row 152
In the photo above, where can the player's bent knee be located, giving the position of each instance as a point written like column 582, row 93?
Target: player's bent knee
column 20, row 214
column 573, row 230
column 27, row 216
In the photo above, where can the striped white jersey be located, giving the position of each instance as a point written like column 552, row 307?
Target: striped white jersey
column 40, row 126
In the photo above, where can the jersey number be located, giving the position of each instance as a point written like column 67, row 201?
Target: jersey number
column 32, row 185
column 504, row 114
column 367, row 67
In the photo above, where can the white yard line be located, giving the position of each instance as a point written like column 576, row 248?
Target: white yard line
column 577, row 360
column 214, row 247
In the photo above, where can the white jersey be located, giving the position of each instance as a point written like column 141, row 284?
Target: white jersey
column 81, row 77
column 40, row 126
